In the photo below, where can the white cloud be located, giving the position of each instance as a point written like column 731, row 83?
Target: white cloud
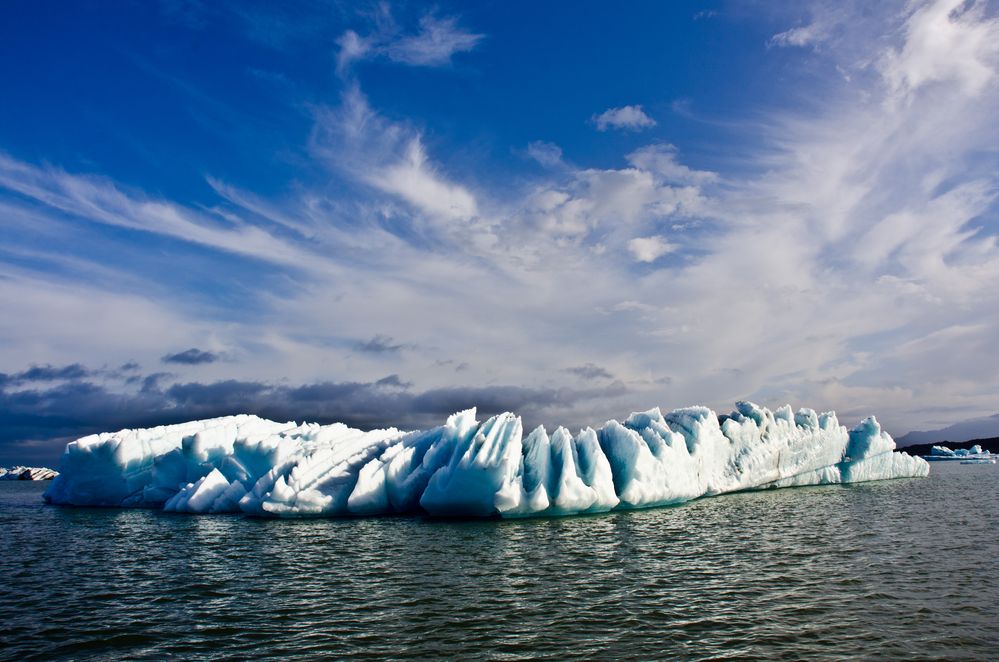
column 631, row 118
column 804, row 35
column 253, row 204
column 388, row 156
column 611, row 203
column 436, row 42
column 99, row 200
column 662, row 160
column 353, row 47
column 547, row 154
column 945, row 41
column 64, row 321
column 824, row 21
column 433, row 44
column 650, row 249
column 851, row 264
column 873, row 227
column 415, row 181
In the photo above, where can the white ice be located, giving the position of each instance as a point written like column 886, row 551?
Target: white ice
column 467, row 468
column 27, row 473
column 976, row 452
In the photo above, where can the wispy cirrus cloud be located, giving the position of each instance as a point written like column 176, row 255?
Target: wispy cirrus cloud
column 389, row 157
column 802, row 35
column 436, row 41
column 99, row 200
column 545, row 153
column 887, row 205
column 433, row 43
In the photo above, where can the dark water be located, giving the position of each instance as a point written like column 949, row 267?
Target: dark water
column 897, row 569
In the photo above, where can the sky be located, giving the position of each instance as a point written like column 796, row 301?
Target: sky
column 381, row 213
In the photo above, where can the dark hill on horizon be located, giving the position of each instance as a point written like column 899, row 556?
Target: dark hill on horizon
column 986, row 427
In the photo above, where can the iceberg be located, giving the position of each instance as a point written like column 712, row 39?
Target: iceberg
column 27, row 473
column 966, row 455
column 246, row 464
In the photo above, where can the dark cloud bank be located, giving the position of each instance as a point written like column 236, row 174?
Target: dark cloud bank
column 193, row 356
column 590, row 371
column 44, row 407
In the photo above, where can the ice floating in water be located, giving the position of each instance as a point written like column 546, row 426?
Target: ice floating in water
column 27, row 473
column 248, row 464
column 973, row 455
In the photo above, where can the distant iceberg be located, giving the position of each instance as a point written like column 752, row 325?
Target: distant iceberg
column 965, row 455
column 466, row 468
column 27, row 473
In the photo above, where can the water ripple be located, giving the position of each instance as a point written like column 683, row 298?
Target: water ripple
column 895, row 569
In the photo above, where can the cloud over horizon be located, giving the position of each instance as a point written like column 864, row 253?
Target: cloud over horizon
column 36, row 422
column 381, row 242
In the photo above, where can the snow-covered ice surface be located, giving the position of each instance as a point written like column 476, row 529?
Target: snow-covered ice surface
column 467, row 468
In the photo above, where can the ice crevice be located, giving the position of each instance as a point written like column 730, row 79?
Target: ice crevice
column 466, row 468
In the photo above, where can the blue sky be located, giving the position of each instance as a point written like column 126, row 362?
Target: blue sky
column 382, row 212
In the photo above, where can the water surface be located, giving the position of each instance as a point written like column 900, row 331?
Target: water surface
column 892, row 569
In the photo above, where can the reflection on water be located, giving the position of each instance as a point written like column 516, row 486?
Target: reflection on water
column 885, row 569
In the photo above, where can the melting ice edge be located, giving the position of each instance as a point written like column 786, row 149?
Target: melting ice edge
column 466, row 468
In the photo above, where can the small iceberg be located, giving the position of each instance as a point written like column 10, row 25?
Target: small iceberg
column 27, row 473
column 974, row 455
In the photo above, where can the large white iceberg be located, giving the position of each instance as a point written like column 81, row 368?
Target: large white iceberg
column 466, row 468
